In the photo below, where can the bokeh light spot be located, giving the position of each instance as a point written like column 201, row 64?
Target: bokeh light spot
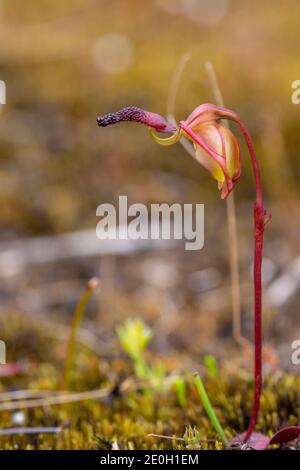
column 204, row 12
column 113, row 53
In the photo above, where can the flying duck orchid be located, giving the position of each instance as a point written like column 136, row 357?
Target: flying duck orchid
column 216, row 149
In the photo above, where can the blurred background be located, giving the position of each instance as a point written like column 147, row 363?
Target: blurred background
column 64, row 63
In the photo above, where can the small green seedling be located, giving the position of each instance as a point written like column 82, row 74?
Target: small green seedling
column 192, row 438
column 180, row 389
column 135, row 336
column 211, row 365
column 209, row 410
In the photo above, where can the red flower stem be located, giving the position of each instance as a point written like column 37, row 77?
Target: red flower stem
column 258, row 247
column 255, row 166
column 260, row 220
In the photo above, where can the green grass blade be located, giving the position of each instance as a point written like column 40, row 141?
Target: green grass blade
column 209, row 410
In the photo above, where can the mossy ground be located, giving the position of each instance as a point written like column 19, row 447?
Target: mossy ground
column 127, row 416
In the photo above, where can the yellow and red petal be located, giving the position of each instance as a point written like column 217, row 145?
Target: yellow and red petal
column 231, row 152
column 210, row 135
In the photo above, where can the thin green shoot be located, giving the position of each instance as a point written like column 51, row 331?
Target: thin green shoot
column 209, row 410
column 77, row 317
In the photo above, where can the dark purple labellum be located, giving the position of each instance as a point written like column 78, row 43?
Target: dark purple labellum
column 132, row 113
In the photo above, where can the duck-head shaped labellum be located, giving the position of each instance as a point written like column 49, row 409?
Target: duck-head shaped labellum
column 132, row 113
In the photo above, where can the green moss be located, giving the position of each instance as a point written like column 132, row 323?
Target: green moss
column 126, row 416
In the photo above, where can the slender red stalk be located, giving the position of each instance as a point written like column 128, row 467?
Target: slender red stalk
column 260, row 219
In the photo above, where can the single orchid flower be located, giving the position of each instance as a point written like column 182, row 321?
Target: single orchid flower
column 217, row 149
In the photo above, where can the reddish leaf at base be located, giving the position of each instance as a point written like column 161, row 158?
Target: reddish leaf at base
column 285, row 435
column 259, row 441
